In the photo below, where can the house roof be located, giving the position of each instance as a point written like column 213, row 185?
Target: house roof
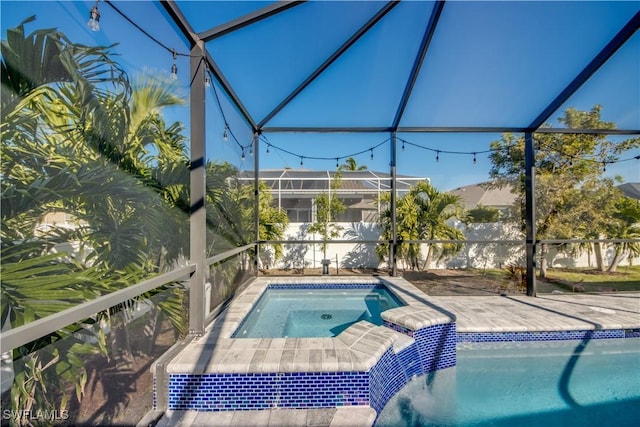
column 482, row 194
column 314, row 181
column 631, row 189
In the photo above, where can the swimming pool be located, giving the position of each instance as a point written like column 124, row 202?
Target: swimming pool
column 311, row 311
column 582, row 383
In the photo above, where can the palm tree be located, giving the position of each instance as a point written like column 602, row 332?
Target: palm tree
column 626, row 226
column 230, row 215
column 76, row 140
column 424, row 213
column 350, row 164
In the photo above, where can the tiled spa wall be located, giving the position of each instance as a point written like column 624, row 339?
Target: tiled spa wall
column 433, row 348
column 543, row 335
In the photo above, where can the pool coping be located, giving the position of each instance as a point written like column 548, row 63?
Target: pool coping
column 358, row 348
column 376, row 361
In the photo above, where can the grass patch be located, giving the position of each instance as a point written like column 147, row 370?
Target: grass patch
column 626, row 279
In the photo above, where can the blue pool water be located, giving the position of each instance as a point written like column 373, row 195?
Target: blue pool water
column 315, row 312
column 569, row 383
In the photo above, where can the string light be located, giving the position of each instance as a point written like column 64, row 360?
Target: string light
column 225, row 136
column 174, row 67
column 94, row 25
column 207, row 79
column 242, row 155
column 337, row 163
column 94, row 18
column 604, row 166
column 301, row 161
column 251, row 150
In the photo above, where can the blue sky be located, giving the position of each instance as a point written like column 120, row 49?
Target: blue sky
column 470, row 61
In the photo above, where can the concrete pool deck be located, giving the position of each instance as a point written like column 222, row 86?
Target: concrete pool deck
column 359, row 347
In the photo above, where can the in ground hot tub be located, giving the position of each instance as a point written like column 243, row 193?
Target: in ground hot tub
column 310, row 311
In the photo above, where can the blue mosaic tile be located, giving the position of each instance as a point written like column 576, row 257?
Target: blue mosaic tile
column 155, row 394
column 216, row 392
column 437, row 346
column 398, row 328
column 324, row 285
column 539, row 335
column 387, row 377
column 632, row 333
column 409, row 359
column 434, row 348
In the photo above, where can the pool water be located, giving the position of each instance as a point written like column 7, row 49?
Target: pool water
column 568, row 383
column 315, row 312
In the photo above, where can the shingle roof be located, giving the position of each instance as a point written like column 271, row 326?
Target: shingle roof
column 631, row 189
column 481, row 194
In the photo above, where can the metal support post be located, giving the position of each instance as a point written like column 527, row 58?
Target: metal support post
column 256, row 194
column 197, row 220
column 530, row 212
column 394, row 237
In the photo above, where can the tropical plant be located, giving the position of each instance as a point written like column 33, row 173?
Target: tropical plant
column 569, row 179
column 78, row 138
column 230, row 212
column 328, row 208
column 350, row 164
column 482, row 215
column 626, row 226
column 424, row 213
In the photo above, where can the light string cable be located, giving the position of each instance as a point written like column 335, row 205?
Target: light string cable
column 302, row 157
column 143, row 31
column 571, row 157
column 227, row 128
column 338, row 158
column 439, row 151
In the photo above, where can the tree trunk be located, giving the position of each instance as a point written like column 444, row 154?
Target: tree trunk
column 427, row 259
column 543, row 260
column 597, row 249
column 618, row 256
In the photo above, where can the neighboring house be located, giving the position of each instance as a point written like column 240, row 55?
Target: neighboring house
column 482, row 194
column 294, row 191
column 630, row 189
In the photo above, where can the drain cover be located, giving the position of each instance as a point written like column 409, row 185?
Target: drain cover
column 326, row 316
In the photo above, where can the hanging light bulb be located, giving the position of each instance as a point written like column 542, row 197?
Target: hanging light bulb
column 437, row 156
column 251, row 150
column 474, row 158
column 268, row 149
column 337, row 163
column 604, row 166
column 207, row 79
column 301, row 161
column 402, row 145
column 372, row 154
column 94, row 18
column 174, row 67
column 242, row 156
column 225, row 137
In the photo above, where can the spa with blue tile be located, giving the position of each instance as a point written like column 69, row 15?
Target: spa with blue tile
column 363, row 366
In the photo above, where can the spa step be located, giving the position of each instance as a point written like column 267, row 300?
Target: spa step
column 359, row 416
